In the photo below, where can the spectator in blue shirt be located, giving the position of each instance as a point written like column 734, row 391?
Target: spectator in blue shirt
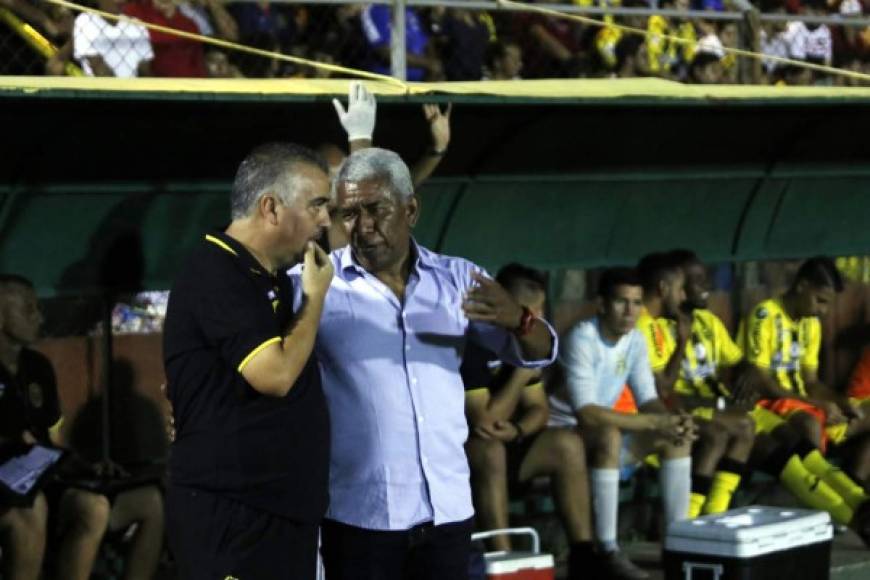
column 422, row 63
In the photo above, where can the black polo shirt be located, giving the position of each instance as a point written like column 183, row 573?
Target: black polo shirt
column 28, row 399
column 266, row 452
column 482, row 369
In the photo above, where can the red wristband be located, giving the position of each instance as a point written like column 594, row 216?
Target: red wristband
column 526, row 322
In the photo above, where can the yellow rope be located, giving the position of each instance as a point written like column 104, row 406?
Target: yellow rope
column 233, row 46
column 522, row 6
column 37, row 41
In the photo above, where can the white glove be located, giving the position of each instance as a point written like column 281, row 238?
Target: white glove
column 359, row 119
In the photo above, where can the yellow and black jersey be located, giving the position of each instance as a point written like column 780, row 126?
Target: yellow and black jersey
column 28, row 398
column 224, row 309
column 482, row 369
column 772, row 340
column 709, row 349
column 660, row 341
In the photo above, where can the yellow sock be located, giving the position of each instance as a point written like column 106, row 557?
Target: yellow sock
column 696, row 502
column 850, row 491
column 814, row 492
column 724, row 485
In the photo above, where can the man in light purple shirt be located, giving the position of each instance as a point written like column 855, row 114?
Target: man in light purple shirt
column 394, row 328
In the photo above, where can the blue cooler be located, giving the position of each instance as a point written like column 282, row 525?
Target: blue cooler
column 750, row 543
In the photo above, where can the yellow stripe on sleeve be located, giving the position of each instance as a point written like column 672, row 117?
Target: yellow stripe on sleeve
column 257, row 350
column 54, row 430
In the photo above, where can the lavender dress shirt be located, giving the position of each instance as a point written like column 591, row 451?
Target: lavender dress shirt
column 390, row 372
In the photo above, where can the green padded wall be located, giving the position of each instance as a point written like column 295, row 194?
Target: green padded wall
column 74, row 239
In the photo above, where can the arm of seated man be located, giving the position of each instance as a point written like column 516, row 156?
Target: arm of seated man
column 652, row 417
column 503, row 405
column 836, row 405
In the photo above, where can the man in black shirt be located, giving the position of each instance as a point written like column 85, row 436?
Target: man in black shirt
column 22, row 528
column 509, row 445
column 30, row 412
column 249, row 464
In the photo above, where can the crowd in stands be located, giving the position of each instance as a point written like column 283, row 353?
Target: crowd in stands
column 653, row 380
column 451, row 44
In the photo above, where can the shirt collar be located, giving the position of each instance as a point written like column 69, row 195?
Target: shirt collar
column 234, row 247
column 422, row 258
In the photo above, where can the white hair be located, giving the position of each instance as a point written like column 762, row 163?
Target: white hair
column 375, row 163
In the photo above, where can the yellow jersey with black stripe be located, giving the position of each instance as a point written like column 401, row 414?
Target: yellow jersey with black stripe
column 774, row 341
column 660, row 342
column 709, row 349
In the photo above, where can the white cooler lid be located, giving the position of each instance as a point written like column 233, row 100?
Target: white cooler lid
column 506, row 562
column 749, row 531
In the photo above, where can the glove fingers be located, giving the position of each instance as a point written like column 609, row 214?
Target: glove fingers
column 356, row 88
column 338, row 108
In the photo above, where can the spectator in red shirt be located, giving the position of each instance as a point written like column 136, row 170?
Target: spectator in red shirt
column 552, row 47
column 173, row 56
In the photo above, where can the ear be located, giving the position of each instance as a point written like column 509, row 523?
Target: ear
column 413, row 210
column 663, row 287
column 801, row 286
column 599, row 304
column 267, row 207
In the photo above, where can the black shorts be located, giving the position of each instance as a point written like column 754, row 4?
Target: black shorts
column 213, row 538
column 515, row 455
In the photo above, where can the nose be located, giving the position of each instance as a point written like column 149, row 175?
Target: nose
column 365, row 223
column 323, row 218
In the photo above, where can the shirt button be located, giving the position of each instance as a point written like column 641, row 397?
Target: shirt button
column 407, row 347
column 421, row 419
column 425, row 460
column 413, row 380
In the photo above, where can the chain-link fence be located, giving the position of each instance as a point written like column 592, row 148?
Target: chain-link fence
column 449, row 40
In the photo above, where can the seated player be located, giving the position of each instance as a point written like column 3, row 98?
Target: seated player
column 782, row 336
column 687, row 348
column 598, row 357
column 83, row 516
column 507, row 412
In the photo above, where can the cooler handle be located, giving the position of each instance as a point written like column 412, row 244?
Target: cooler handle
column 536, row 539
column 690, row 567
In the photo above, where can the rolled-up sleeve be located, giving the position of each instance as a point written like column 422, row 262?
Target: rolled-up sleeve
column 506, row 345
column 497, row 339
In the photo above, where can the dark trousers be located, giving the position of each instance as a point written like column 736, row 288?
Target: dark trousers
column 425, row 552
column 214, row 538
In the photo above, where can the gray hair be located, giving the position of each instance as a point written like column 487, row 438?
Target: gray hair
column 375, row 163
column 270, row 167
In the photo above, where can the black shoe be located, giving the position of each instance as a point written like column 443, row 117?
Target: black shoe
column 616, row 566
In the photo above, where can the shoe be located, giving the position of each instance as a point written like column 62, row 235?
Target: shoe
column 616, row 566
